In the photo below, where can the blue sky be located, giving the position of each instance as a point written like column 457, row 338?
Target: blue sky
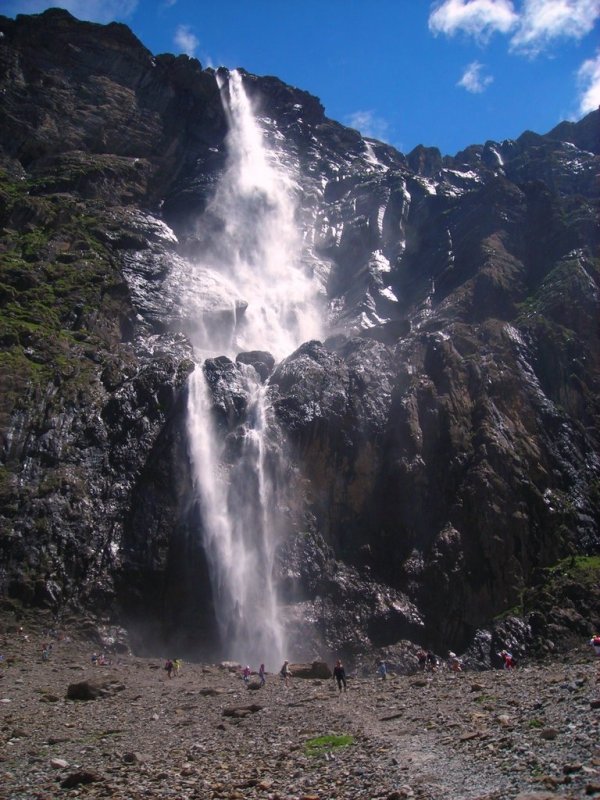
column 446, row 73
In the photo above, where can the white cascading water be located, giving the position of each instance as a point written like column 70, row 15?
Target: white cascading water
column 252, row 254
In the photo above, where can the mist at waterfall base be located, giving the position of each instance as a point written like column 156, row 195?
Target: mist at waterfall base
column 249, row 292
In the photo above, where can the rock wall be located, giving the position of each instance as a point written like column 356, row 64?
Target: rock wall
column 443, row 441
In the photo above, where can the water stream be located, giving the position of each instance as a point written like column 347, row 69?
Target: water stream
column 252, row 251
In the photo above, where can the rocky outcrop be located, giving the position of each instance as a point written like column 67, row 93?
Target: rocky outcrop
column 442, row 442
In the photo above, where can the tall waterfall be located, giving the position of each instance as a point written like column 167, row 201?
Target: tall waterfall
column 251, row 255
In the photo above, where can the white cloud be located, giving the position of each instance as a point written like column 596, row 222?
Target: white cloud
column 588, row 79
column 90, row 10
column 542, row 21
column 185, row 40
column 473, row 79
column 477, row 18
column 533, row 27
column 369, row 124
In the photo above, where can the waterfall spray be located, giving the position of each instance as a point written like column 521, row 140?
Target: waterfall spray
column 252, row 254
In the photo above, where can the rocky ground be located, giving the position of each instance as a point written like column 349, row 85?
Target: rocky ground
column 532, row 733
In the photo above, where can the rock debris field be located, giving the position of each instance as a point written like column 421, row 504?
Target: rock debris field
column 528, row 734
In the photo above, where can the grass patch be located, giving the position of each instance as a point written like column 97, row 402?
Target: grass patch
column 484, row 698
column 325, row 744
column 577, row 567
column 535, row 723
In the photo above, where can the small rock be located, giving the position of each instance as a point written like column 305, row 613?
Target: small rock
column 83, row 690
column 549, row 733
column 595, row 703
column 134, row 758
column 211, row 692
column 58, row 763
column 240, row 712
column 49, row 698
column 569, row 769
column 477, row 687
column 79, row 778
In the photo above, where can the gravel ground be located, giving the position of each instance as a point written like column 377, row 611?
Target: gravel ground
column 533, row 732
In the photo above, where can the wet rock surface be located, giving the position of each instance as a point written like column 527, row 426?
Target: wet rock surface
column 499, row 735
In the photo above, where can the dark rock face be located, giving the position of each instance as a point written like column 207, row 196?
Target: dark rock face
column 443, row 442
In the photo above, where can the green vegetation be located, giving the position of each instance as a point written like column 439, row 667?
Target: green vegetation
column 59, row 310
column 484, row 698
column 535, row 723
column 325, row 744
column 584, row 570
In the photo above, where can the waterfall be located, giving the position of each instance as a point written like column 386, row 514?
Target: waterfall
column 254, row 295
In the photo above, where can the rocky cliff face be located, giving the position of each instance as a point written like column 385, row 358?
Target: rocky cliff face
column 442, row 441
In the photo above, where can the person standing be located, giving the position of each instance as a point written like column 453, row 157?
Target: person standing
column 261, row 675
column 285, row 673
column 339, row 673
column 382, row 670
column 507, row 659
column 454, row 662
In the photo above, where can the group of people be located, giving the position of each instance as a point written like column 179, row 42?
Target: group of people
column 172, row 667
column 102, row 660
column 247, row 672
column 427, row 660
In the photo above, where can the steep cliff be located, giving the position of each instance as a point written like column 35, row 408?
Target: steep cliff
column 442, row 441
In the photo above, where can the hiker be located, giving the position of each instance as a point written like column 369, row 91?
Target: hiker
column 261, row 675
column 176, row 666
column 94, row 659
column 431, row 661
column 454, row 662
column 595, row 643
column 169, row 667
column 246, row 674
column 285, row 673
column 382, row 670
column 422, row 659
column 339, row 673
column 507, row 659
